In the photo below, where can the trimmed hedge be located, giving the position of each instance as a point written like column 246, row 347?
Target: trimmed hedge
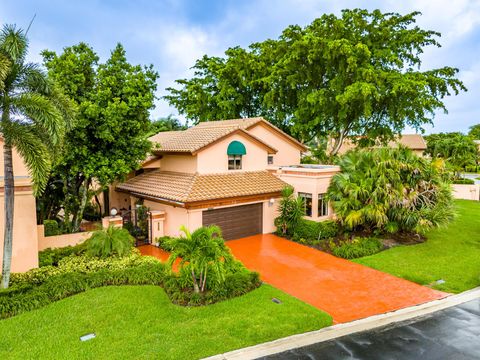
column 27, row 296
column 51, row 257
column 51, row 228
column 358, row 247
column 309, row 232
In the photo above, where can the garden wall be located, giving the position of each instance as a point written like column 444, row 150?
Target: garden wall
column 467, row 192
column 57, row 241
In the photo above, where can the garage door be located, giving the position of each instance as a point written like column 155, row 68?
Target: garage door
column 236, row 222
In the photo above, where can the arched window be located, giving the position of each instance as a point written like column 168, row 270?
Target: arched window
column 235, row 151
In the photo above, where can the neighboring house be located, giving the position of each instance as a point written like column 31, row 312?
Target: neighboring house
column 229, row 173
column 25, row 243
column 416, row 142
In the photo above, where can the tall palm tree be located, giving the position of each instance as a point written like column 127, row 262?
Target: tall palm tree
column 34, row 117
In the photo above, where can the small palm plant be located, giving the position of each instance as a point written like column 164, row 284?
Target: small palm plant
column 110, row 241
column 291, row 209
column 201, row 253
column 34, row 116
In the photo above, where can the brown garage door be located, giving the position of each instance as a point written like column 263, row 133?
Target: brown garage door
column 236, row 222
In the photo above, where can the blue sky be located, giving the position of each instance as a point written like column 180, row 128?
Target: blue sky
column 173, row 34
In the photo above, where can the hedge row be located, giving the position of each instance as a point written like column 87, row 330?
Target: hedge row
column 28, row 296
column 308, row 231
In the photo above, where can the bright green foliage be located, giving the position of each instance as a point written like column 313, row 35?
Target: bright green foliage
column 110, row 136
column 51, row 228
column 354, row 74
column 168, row 123
column 457, row 149
column 202, row 253
column 291, row 209
column 109, row 242
column 358, row 247
column 390, row 190
column 474, row 132
column 119, row 314
column 450, row 253
column 310, row 232
column 51, row 257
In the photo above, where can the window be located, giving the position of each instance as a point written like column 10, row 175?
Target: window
column 307, row 199
column 270, row 160
column 234, row 162
column 322, row 205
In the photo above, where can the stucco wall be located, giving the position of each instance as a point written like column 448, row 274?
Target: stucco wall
column 179, row 163
column 25, row 243
column 467, row 192
column 314, row 185
column 214, row 158
column 288, row 154
column 58, row 241
column 175, row 217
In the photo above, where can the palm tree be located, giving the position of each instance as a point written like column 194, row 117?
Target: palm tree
column 34, row 117
column 199, row 252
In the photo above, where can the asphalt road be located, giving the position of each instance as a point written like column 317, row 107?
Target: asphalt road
column 453, row 333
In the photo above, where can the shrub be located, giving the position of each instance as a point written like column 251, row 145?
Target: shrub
column 357, row 247
column 464, row 181
column 308, row 231
column 110, row 241
column 51, row 257
column 51, row 228
column 391, row 186
column 21, row 298
column 165, row 242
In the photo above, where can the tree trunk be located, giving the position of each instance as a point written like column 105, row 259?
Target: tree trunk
column 9, row 193
column 196, row 289
column 83, row 203
column 338, row 144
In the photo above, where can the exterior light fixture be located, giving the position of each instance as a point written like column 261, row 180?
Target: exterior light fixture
column 113, row 211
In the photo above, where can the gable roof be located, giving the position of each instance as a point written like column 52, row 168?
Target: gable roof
column 247, row 124
column 196, row 138
column 411, row 141
column 186, row 188
column 204, row 134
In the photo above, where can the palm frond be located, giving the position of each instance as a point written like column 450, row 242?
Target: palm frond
column 13, row 43
column 33, row 151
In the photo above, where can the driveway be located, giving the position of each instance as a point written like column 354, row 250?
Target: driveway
column 452, row 333
column 346, row 290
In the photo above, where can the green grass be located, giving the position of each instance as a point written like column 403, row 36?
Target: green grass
column 451, row 253
column 139, row 322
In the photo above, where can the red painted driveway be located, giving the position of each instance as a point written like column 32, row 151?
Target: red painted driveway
column 346, row 290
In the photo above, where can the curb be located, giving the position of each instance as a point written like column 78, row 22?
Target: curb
column 335, row 331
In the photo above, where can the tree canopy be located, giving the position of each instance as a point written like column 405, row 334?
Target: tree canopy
column 474, row 132
column 168, row 123
column 354, row 74
column 458, row 150
column 110, row 136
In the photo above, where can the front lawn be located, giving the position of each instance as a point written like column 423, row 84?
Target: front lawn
column 451, row 253
column 140, row 322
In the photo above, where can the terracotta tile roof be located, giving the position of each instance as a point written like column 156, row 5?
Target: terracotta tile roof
column 185, row 188
column 412, row 141
column 197, row 137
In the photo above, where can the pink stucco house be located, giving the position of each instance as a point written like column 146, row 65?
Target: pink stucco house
column 229, row 173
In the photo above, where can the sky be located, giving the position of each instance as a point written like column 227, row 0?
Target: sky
column 171, row 35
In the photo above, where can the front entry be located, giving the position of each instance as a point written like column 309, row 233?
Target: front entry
column 237, row 221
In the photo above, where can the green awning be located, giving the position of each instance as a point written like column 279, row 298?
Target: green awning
column 236, row 148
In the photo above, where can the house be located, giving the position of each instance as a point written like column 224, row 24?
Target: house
column 229, row 173
column 415, row 142
column 25, row 244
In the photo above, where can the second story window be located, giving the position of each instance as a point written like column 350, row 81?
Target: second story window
column 234, row 162
column 270, row 160
column 307, row 199
column 235, row 151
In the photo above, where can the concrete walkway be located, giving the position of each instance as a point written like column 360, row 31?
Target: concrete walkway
column 346, row 290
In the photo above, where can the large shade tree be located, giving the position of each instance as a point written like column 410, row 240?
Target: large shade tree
column 34, row 118
column 110, row 136
column 354, row 74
